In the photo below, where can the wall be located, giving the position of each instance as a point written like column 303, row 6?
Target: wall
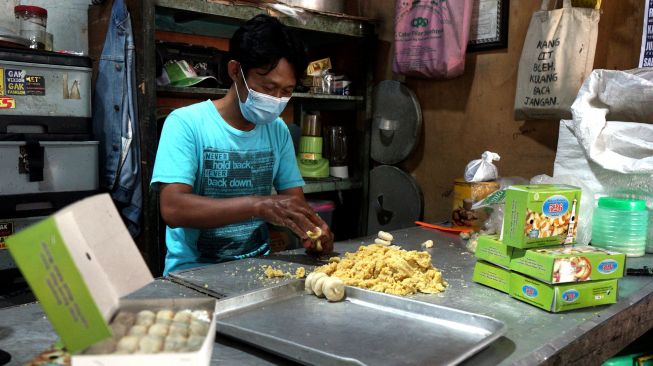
column 465, row 116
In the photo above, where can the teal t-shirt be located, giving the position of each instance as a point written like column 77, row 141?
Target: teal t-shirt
column 199, row 148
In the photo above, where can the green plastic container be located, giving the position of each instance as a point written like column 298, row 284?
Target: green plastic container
column 620, row 225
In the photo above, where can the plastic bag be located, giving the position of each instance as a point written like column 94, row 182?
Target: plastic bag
column 431, row 37
column 482, row 170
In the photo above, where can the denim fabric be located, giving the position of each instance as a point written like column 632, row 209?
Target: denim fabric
column 115, row 119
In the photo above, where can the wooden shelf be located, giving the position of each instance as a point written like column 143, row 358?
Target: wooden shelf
column 199, row 93
column 315, row 21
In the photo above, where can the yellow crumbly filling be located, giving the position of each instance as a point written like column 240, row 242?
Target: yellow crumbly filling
column 387, row 269
column 300, row 272
column 273, row 272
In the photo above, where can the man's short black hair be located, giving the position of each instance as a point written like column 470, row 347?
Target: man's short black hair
column 262, row 41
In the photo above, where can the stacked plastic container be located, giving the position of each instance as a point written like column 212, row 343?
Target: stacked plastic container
column 621, row 225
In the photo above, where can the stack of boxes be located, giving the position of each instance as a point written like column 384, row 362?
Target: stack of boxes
column 536, row 261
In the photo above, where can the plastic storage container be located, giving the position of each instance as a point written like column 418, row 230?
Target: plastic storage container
column 32, row 22
column 324, row 209
column 621, row 225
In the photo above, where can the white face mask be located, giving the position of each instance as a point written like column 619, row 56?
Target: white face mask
column 259, row 108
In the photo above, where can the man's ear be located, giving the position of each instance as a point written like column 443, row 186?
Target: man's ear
column 233, row 70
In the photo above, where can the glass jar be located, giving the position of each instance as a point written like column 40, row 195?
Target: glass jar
column 32, row 22
column 620, row 225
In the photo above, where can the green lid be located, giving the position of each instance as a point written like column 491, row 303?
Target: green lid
column 622, row 204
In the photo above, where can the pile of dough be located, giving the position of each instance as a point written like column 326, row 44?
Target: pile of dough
column 150, row 332
column 387, row 269
column 320, row 284
column 383, row 238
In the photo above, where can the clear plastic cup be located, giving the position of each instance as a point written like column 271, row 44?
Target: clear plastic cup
column 621, row 225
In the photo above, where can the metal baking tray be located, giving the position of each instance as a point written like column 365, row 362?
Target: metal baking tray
column 367, row 328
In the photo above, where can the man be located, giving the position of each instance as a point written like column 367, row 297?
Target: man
column 218, row 160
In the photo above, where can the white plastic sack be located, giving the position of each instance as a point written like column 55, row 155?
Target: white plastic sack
column 482, row 170
column 606, row 101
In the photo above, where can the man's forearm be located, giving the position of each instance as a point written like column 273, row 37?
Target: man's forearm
column 194, row 211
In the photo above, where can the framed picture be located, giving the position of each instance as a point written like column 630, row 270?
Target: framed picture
column 489, row 27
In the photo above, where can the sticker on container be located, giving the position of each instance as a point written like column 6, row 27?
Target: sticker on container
column 15, row 81
column 529, row 291
column 34, row 85
column 608, row 266
column 7, row 103
column 6, row 229
column 570, row 295
column 2, row 81
column 555, row 206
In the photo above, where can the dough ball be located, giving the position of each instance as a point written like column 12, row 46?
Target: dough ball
column 198, row 328
column 125, row 318
column 201, row 315
column 119, row 330
column 159, row 330
column 138, row 330
column 127, row 344
column 180, row 329
column 194, row 343
column 183, row 316
column 102, row 348
column 385, row 236
column 165, row 316
column 334, row 289
column 145, row 318
column 150, row 344
column 174, row 343
column 382, row 242
column 317, row 286
column 310, row 279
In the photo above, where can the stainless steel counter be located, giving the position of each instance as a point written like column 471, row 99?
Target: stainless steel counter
column 585, row 336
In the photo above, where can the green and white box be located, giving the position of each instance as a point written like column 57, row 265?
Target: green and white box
column 79, row 262
column 556, row 298
column 492, row 276
column 540, row 215
column 568, row 264
column 490, row 249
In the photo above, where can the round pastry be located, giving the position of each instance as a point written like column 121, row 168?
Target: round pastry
column 180, row 329
column 150, row 344
column 198, row 327
column 138, row 330
column 334, row 289
column 310, row 279
column 158, row 329
column 183, row 316
column 145, row 317
column 125, row 318
column 127, row 344
column 317, row 286
column 174, row 343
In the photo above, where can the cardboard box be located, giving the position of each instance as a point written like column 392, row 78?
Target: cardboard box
column 540, row 215
column 568, row 264
column 492, row 276
column 465, row 194
column 490, row 249
column 556, row 298
column 79, row 262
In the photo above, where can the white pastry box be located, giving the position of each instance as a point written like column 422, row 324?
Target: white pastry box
column 79, row 263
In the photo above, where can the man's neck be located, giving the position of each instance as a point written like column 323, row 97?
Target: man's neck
column 229, row 109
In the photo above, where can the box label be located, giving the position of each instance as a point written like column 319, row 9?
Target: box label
column 608, row 266
column 34, row 85
column 48, row 267
column 529, row 291
column 2, row 81
column 6, row 229
column 15, row 81
column 570, row 296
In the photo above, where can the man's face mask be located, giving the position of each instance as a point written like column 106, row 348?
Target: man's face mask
column 259, row 108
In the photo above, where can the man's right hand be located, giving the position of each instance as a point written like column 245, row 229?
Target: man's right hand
column 289, row 211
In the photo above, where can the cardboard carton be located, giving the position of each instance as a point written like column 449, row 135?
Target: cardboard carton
column 79, row 262
column 540, row 215
column 492, row 276
column 556, row 298
column 490, row 249
column 568, row 264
